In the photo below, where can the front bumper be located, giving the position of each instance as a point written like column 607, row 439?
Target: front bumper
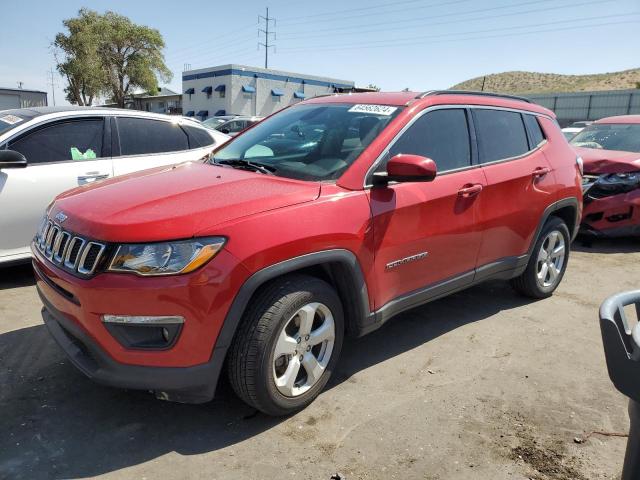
column 188, row 370
column 612, row 216
column 183, row 384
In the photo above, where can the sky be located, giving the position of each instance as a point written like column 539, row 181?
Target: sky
column 395, row 44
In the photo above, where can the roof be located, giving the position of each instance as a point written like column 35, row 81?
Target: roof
column 70, row 109
column 436, row 97
column 265, row 73
column 620, row 119
column 22, row 90
column 379, row 98
column 164, row 92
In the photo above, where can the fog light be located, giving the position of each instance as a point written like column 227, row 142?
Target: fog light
column 144, row 332
column 143, row 319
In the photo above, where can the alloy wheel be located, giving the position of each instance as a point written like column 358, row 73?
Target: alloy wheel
column 303, row 349
column 551, row 259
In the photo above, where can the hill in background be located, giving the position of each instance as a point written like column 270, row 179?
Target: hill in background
column 534, row 82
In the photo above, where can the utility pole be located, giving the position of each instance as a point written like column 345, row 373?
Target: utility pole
column 20, row 84
column 53, row 86
column 266, row 32
column 483, row 80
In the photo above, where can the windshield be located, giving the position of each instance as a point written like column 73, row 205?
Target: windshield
column 214, row 122
column 610, row 136
column 10, row 119
column 310, row 142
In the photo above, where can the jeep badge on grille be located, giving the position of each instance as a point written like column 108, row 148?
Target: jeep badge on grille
column 60, row 217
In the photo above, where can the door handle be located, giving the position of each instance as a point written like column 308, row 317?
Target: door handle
column 541, row 172
column 470, row 190
column 92, row 177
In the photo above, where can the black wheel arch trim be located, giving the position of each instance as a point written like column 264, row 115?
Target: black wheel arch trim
column 550, row 210
column 250, row 286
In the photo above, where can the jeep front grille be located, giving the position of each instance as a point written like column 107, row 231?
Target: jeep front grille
column 71, row 252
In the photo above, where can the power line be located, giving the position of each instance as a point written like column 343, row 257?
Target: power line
column 431, row 17
column 353, row 30
column 266, row 44
column 207, row 47
column 225, row 53
column 412, row 43
column 338, row 12
column 339, row 15
column 232, row 33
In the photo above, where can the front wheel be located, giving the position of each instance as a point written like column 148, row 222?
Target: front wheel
column 287, row 345
column 548, row 261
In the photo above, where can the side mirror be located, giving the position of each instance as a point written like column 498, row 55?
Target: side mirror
column 407, row 168
column 12, row 159
column 225, row 130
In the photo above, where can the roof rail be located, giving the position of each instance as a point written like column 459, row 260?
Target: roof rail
column 472, row 92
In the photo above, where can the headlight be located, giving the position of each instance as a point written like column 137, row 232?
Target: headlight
column 631, row 180
column 165, row 258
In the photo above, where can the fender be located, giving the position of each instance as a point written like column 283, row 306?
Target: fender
column 554, row 207
column 344, row 258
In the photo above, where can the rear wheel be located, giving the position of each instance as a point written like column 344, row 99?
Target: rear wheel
column 287, row 345
column 548, row 261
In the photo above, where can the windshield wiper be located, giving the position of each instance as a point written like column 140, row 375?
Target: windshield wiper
column 241, row 163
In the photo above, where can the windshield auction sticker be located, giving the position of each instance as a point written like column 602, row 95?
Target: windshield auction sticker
column 385, row 110
column 11, row 119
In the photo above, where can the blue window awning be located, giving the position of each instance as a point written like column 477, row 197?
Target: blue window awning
column 248, row 89
column 207, row 90
column 190, row 113
column 276, row 92
column 190, row 91
column 299, row 95
column 220, row 88
column 220, row 112
column 203, row 113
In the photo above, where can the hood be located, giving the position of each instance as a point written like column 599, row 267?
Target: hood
column 598, row 161
column 175, row 202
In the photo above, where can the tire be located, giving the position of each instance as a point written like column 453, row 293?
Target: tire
column 530, row 282
column 282, row 312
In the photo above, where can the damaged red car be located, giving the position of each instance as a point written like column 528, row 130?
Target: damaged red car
column 610, row 149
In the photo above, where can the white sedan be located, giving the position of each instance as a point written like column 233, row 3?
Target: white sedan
column 47, row 150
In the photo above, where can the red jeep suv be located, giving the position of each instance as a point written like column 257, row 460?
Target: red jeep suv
column 326, row 219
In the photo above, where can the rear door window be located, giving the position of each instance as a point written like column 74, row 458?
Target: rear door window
column 501, row 134
column 441, row 135
column 62, row 141
column 139, row 136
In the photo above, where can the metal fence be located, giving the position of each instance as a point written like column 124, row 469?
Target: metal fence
column 571, row 107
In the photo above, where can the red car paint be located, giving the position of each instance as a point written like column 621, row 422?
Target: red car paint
column 465, row 219
column 614, row 215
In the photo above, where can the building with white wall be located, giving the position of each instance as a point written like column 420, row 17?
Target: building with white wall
column 242, row 90
column 21, row 98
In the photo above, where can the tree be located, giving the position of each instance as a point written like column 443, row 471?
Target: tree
column 109, row 54
column 131, row 56
column 77, row 59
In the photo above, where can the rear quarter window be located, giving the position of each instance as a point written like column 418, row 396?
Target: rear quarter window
column 535, row 132
column 501, row 134
column 198, row 137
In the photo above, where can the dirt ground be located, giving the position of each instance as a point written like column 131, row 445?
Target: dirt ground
column 481, row 385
